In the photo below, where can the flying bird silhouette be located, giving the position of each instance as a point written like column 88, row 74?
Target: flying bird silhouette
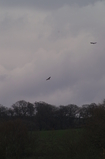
column 93, row 42
column 48, row 78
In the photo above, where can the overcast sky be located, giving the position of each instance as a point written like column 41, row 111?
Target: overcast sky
column 42, row 38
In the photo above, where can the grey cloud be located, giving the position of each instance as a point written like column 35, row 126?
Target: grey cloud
column 56, row 45
column 82, row 79
column 70, row 21
column 10, row 24
column 3, row 78
column 46, row 4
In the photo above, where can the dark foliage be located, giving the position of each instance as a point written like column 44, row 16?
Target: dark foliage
column 22, row 119
column 44, row 116
column 14, row 139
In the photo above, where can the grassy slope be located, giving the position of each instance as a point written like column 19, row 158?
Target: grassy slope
column 62, row 144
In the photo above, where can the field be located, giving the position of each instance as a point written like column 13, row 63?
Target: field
column 62, row 144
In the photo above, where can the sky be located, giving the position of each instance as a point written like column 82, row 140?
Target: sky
column 42, row 38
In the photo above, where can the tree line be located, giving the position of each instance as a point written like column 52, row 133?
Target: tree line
column 19, row 139
column 44, row 116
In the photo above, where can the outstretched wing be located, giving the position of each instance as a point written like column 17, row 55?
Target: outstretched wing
column 48, row 78
column 93, row 42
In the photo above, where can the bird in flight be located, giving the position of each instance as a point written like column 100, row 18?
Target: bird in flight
column 48, row 78
column 93, row 42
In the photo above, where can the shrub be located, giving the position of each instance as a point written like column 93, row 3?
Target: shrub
column 13, row 139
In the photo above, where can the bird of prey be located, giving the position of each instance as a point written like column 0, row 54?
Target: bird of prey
column 93, row 42
column 48, row 78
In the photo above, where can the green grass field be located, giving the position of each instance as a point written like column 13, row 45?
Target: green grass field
column 62, row 144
